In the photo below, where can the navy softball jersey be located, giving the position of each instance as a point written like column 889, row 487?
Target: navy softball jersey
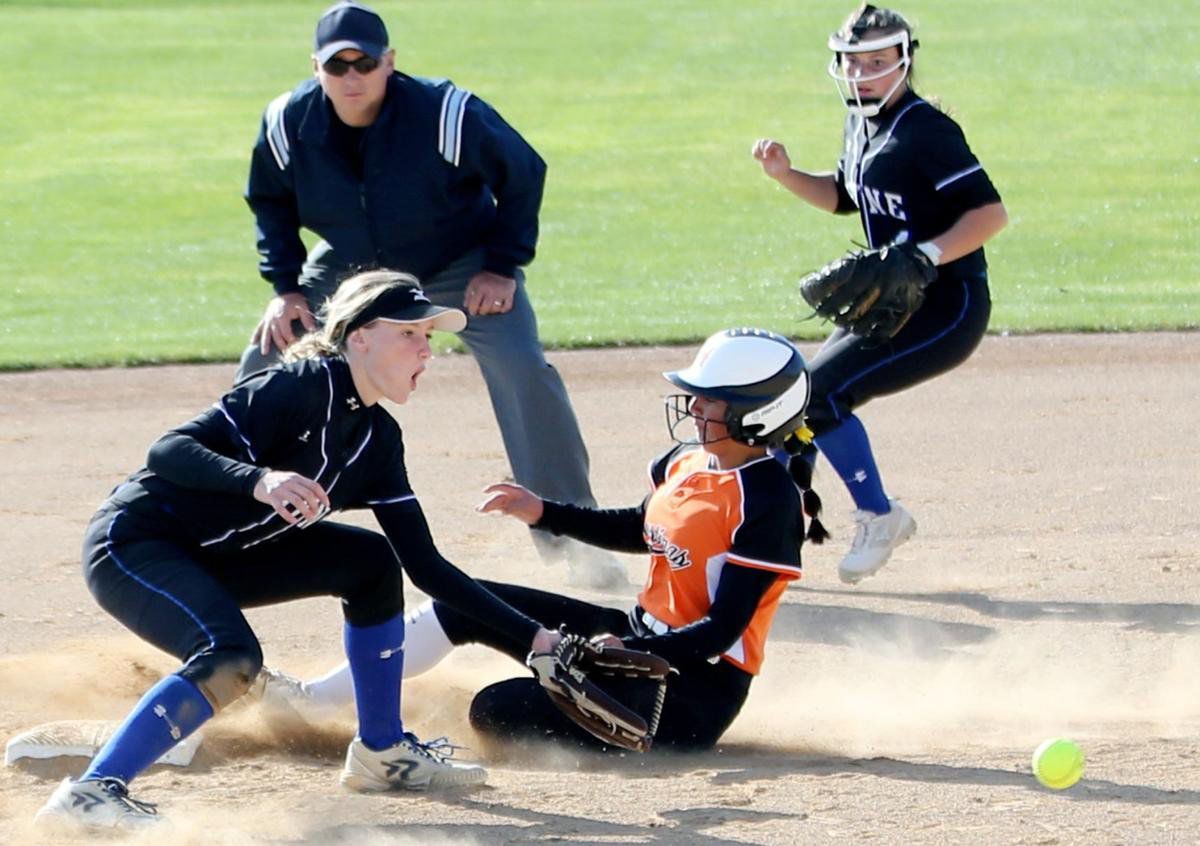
column 185, row 534
column 910, row 171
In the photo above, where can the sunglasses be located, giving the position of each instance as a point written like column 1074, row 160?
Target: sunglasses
column 340, row 67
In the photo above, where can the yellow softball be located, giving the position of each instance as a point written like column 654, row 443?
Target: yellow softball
column 1058, row 763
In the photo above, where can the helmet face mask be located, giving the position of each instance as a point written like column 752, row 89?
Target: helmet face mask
column 679, row 412
column 760, row 376
column 847, row 84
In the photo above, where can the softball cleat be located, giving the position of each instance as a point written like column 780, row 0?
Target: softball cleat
column 876, row 537
column 409, row 765
column 97, row 805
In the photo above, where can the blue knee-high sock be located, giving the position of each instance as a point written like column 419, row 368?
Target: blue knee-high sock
column 169, row 712
column 848, row 449
column 376, row 655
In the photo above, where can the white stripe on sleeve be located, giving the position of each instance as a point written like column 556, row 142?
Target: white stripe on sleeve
column 276, row 133
column 454, row 107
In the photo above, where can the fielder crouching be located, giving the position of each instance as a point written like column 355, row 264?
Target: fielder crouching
column 228, row 513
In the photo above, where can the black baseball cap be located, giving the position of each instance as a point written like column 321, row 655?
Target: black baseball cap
column 408, row 304
column 349, row 26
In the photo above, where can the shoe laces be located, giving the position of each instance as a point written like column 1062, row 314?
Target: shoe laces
column 119, row 793
column 864, row 520
column 439, row 750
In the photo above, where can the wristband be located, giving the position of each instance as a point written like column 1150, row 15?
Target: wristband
column 932, row 250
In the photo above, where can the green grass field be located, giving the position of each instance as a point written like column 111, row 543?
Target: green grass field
column 128, row 126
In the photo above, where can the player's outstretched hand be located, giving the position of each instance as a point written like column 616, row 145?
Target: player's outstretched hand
column 773, row 157
column 513, row 500
column 297, row 499
column 275, row 328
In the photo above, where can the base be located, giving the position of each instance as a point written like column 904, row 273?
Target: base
column 83, row 739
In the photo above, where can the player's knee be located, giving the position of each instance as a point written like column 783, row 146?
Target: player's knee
column 502, row 710
column 224, row 675
column 377, row 594
column 483, row 713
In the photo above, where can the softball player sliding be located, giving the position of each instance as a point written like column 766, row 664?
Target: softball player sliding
column 228, row 513
column 723, row 526
column 908, row 172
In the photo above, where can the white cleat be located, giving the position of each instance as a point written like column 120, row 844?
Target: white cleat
column 101, row 804
column 409, row 765
column 876, row 537
column 286, row 701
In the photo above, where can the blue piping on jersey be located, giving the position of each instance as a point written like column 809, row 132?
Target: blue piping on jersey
column 953, row 325
column 220, row 406
column 328, row 417
column 861, row 165
column 112, row 553
column 317, row 477
column 954, row 177
column 245, row 528
column 392, row 500
column 328, row 490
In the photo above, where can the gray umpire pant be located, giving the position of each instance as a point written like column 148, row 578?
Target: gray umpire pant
column 537, row 424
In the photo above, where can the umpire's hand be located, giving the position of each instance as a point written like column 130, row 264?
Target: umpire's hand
column 276, row 324
column 489, row 293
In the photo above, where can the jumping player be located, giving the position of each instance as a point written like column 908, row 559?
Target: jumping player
column 723, row 527
column 907, row 171
column 228, row 513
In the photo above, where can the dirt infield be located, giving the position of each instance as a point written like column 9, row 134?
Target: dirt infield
column 1051, row 589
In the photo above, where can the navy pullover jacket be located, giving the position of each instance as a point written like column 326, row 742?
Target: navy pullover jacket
column 442, row 174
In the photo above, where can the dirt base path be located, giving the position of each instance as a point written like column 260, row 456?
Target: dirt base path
column 1052, row 588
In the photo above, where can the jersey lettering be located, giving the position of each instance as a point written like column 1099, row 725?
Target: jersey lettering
column 884, row 203
column 874, row 204
column 659, row 544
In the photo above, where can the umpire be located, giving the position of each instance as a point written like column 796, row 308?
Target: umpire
column 419, row 175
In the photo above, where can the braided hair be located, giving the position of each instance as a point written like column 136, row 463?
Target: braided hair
column 802, row 455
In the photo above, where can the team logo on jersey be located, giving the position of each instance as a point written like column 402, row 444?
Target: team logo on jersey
column 677, row 556
column 352, row 402
column 305, row 435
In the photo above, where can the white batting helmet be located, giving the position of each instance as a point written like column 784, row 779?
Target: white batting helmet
column 760, row 375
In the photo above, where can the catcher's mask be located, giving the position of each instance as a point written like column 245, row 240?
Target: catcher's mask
column 760, row 376
column 851, row 39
